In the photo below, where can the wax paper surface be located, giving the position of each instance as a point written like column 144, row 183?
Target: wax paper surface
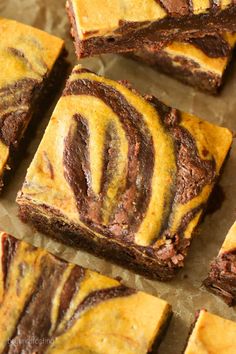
column 185, row 293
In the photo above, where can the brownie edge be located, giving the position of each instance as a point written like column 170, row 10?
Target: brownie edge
column 221, row 279
column 48, row 223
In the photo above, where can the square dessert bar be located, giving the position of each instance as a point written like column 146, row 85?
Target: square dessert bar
column 106, row 26
column 200, row 62
column 212, row 334
column 222, row 275
column 27, row 57
column 122, row 176
column 51, row 306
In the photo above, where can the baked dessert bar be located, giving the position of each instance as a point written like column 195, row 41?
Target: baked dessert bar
column 106, row 26
column 199, row 62
column 222, row 275
column 212, row 334
column 50, row 306
column 123, row 176
column 27, row 57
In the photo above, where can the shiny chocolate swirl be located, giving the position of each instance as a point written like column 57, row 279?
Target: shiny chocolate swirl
column 135, row 168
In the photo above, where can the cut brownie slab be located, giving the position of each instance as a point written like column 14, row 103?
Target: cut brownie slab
column 106, row 26
column 199, row 62
column 122, row 175
column 222, row 275
column 27, row 57
column 212, row 334
column 51, row 306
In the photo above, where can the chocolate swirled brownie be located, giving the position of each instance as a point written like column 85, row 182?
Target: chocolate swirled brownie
column 212, row 334
column 51, row 306
column 27, row 57
column 221, row 279
column 123, row 176
column 199, row 62
column 116, row 26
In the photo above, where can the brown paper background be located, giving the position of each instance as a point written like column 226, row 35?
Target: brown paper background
column 185, row 292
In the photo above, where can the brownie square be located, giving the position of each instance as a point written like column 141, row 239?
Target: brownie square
column 122, row 176
column 51, row 306
column 27, row 57
column 212, row 334
column 199, row 62
column 221, row 279
column 114, row 26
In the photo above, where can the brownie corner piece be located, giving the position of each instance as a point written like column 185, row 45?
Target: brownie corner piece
column 51, row 306
column 122, row 176
column 149, row 24
column 28, row 57
column 221, row 278
column 211, row 334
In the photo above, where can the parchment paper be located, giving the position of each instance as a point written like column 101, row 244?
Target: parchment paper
column 185, row 292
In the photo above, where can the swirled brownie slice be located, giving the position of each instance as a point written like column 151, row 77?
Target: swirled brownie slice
column 212, row 334
column 199, row 62
column 222, row 275
column 106, row 26
column 27, row 57
column 122, row 175
column 50, row 306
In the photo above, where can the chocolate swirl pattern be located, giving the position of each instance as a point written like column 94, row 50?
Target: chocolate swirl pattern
column 132, row 200
column 132, row 172
column 26, row 59
column 55, row 307
column 186, row 178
